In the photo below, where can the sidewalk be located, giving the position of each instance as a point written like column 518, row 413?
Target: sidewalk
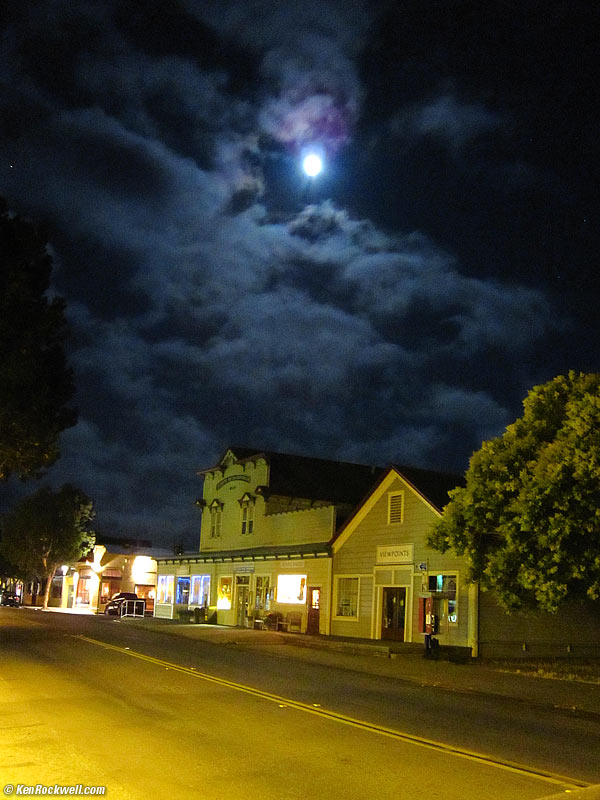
column 407, row 664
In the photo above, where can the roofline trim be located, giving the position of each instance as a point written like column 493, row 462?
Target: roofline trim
column 361, row 512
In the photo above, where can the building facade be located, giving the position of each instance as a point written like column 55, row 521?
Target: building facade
column 268, row 520
column 387, row 583
column 115, row 565
column 338, row 549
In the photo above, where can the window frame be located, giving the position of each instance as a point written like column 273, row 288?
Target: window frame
column 265, row 593
column 224, row 598
column 180, row 582
column 203, row 580
column 336, row 598
column 216, row 519
column 302, row 585
column 168, row 592
column 442, row 596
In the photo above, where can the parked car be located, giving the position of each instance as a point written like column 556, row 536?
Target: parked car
column 8, row 599
column 113, row 607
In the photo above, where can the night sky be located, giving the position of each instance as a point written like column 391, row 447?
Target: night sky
column 397, row 307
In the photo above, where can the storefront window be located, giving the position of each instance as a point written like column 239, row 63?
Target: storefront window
column 182, row 594
column 166, row 584
column 224, row 593
column 200, row 591
column 146, row 592
column 445, row 597
column 262, row 600
column 346, row 603
column 291, row 589
column 83, row 591
column 108, row 588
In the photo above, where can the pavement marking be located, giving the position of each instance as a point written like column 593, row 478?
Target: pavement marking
column 319, row 711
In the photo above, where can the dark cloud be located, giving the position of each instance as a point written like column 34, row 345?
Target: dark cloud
column 211, row 301
column 445, row 119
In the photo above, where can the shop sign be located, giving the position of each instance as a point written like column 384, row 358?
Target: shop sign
column 233, row 478
column 395, row 553
column 243, row 569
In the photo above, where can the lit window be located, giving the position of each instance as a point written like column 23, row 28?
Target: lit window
column 395, row 507
column 291, row 589
column 200, row 590
column 224, row 593
column 346, row 602
column 166, row 584
column 445, row 596
column 182, row 594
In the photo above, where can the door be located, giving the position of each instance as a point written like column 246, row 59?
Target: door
column 393, row 613
column 242, row 606
column 314, row 610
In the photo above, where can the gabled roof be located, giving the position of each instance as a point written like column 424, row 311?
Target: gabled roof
column 433, row 486
column 313, row 478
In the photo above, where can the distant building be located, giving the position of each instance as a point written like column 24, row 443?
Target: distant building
column 113, row 565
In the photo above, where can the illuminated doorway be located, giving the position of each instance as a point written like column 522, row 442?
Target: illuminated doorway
column 314, row 610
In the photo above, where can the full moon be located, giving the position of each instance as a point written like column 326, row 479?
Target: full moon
column 312, row 164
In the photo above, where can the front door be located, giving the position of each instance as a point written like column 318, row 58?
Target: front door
column 242, row 606
column 314, row 610
column 393, row 613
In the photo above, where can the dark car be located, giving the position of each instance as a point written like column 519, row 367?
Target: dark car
column 114, row 604
column 7, row 599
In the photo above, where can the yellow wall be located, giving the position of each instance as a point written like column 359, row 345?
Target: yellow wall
column 316, row 570
column 289, row 525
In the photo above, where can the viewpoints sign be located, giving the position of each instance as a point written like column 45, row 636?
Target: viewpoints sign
column 395, row 553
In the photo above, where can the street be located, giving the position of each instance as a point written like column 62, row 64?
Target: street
column 96, row 701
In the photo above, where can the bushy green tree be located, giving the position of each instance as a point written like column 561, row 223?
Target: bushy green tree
column 529, row 515
column 36, row 385
column 48, row 529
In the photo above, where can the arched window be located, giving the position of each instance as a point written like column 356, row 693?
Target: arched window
column 247, row 514
column 216, row 514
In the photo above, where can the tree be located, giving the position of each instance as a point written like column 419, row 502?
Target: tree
column 36, row 384
column 529, row 515
column 48, row 529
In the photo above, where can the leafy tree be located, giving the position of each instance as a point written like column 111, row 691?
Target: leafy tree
column 529, row 516
column 48, row 529
column 36, row 384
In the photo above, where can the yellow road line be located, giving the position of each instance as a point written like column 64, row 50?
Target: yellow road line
column 419, row 741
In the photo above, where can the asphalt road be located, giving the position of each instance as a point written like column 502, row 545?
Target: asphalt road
column 169, row 716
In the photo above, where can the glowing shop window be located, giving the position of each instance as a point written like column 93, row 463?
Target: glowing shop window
column 291, row 589
column 444, row 586
column 183, row 591
column 166, row 587
column 224, row 593
column 200, row 593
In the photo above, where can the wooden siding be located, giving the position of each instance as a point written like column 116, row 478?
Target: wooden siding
column 573, row 631
column 358, row 556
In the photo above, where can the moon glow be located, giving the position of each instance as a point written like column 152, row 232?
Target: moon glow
column 312, row 164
